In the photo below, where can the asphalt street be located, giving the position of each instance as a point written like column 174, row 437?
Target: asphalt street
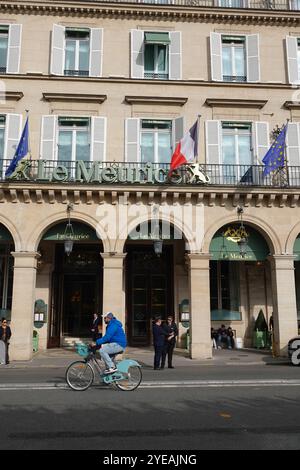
column 235, row 417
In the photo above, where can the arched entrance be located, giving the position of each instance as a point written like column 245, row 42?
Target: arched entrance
column 150, row 278
column 75, row 281
column 6, row 272
column 240, row 280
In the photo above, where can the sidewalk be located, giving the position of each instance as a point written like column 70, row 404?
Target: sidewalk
column 48, row 367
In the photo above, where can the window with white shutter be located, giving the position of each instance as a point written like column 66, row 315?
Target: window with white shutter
column 253, row 62
column 96, row 52
column 175, row 56
column 261, row 141
column 58, row 50
column 293, row 59
column 213, row 150
column 137, row 53
column 14, row 48
column 132, row 140
column 13, row 129
column 293, row 144
column 48, row 148
column 98, row 138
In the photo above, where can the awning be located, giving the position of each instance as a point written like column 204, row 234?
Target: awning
column 81, row 231
column 157, row 38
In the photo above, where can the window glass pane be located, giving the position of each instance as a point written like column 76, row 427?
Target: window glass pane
column 147, row 147
column 65, row 146
column 82, row 146
column 226, row 60
column 84, row 51
column 149, row 58
column 229, row 150
column 3, row 50
column 70, row 55
column 161, row 58
column 164, row 147
column 244, row 145
column 240, row 61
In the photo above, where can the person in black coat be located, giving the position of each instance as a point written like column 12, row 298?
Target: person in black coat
column 5, row 334
column 159, row 335
column 96, row 326
column 170, row 340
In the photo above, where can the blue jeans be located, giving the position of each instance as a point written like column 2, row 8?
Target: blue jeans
column 108, row 349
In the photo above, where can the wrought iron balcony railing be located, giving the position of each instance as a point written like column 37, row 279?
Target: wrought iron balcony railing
column 237, row 4
column 121, row 173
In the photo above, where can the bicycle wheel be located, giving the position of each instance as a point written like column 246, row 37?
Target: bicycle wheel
column 132, row 380
column 80, row 375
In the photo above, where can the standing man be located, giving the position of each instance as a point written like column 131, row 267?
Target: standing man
column 170, row 341
column 159, row 335
column 5, row 334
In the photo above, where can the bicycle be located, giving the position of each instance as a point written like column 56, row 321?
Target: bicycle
column 81, row 374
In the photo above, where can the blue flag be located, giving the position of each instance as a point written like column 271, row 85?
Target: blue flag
column 274, row 157
column 21, row 151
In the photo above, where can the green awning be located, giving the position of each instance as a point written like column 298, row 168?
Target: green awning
column 157, row 38
column 224, row 245
column 297, row 248
column 82, row 233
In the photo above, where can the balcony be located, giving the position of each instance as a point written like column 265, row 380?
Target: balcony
column 147, row 174
column 292, row 5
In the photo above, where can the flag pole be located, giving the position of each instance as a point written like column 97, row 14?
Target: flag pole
column 29, row 146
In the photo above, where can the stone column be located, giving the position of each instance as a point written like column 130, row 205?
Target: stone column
column 200, row 341
column 25, row 263
column 284, row 301
column 113, row 285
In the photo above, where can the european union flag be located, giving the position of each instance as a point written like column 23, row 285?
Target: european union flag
column 21, row 151
column 274, row 157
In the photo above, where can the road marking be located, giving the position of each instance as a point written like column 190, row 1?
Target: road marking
column 166, row 384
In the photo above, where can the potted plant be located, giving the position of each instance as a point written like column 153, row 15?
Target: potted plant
column 260, row 331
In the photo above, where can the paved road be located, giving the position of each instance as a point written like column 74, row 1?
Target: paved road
column 233, row 417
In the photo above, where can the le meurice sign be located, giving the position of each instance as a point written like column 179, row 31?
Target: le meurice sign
column 97, row 172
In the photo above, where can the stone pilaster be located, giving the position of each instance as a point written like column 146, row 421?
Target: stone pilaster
column 200, row 341
column 25, row 264
column 113, row 285
column 284, row 301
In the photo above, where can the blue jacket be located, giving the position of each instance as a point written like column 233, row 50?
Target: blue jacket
column 114, row 334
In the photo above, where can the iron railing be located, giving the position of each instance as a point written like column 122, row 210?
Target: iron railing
column 121, row 173
column 236, row 4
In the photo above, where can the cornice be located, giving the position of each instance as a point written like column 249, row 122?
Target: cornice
column 116, row 10
column 74, row 97
column 209, row 196
column 291, row 104
column 12, row 95
column 224, row 102
column 171, row 101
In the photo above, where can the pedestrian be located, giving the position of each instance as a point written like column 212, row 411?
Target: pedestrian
column 5, row 335
column 96, row 327
column 172, row 331
column 159, row 335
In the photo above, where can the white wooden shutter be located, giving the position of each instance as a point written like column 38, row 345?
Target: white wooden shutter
column 132, row 140
column 292, row 58
column 216, row 57
column 213, row 142
column 175, row 66
column 98, row 138
column 14, row 48
column 252, row 53
column 177, row 131
column 137, row 53
column 96, row 52
column 261, row 141
column 58, row 50
column 48, row 149
column 293, row 144
column 13, row 129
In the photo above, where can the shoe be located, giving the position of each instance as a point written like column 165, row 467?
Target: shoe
column 111, row 370
column 171, row 367
column 156, row 368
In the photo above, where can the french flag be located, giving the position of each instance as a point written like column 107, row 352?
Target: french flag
column 186, row 149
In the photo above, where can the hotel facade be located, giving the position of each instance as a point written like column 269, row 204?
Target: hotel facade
column 110, row 88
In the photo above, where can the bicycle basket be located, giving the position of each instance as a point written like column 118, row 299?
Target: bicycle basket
column 82, row 349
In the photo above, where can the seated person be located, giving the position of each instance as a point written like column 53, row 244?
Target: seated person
column 223, row 337
column 214, row 337
column 230, row 335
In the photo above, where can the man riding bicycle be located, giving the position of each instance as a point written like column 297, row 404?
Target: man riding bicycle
column 113, row 342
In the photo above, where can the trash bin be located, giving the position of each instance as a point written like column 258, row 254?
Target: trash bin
column 239, row 343
column 260, row 339
column 35, row 341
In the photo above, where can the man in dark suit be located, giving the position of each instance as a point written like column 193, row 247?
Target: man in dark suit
column 170, row 340
column 159, row 335
column 5, row 334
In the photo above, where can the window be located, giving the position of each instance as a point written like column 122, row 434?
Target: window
column 236, row 150
column 156, row 141
column 77, row 52
column 156, row 55
column 224, row 290
column 295, row 4
column 3, row 48
column 234, row 59
column 73, row 139
column 232, row 3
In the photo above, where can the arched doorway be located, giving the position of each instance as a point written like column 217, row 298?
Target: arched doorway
column 6, row 272
column 240, row 281
column 150, row 278
column 75, row 281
